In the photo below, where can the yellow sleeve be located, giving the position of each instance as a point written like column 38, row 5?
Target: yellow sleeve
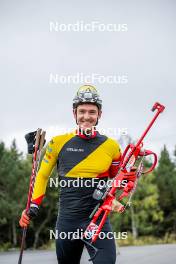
column 48, row 163
column 116, row 155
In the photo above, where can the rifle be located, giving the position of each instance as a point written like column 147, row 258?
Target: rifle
column 35, row 141
column 131, row 154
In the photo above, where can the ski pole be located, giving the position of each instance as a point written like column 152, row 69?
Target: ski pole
column 35, row 141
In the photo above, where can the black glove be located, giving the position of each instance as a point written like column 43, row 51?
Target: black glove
column 33, row 211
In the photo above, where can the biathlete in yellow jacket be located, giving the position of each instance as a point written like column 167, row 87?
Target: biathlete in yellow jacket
column 90, row 157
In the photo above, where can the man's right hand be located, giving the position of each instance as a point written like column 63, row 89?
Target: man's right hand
column 24, row 220
column 26, row 216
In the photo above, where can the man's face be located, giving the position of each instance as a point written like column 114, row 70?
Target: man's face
column 86, row 116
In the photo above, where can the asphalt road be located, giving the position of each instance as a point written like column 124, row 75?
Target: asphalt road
column 157, row 254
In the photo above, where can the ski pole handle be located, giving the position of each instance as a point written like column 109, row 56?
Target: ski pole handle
column 34, row 167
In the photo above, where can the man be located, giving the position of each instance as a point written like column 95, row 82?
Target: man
column 84, row 155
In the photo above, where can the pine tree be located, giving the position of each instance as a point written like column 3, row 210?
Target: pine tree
column 166, row 182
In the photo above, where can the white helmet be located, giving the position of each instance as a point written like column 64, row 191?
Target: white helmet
column 87, row 94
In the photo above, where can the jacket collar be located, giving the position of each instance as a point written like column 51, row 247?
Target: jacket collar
column 80, row 134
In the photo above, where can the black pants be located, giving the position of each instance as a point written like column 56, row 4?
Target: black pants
column 70, row 251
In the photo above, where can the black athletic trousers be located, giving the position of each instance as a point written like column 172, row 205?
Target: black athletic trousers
column 69, row 251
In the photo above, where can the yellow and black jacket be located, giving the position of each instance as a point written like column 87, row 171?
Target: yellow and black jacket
column 76, row 157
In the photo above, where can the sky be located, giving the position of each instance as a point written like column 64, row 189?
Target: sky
column 139, row 54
